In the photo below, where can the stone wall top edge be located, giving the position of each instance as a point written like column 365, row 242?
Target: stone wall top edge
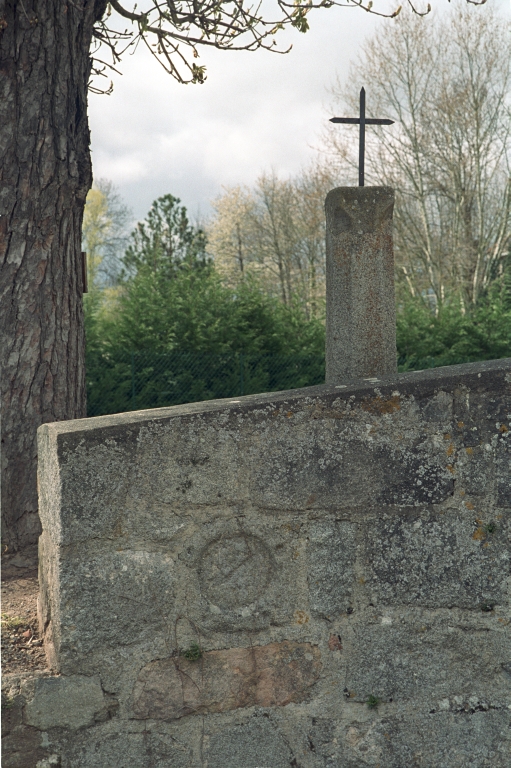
column 360, row 191
column 486, row 375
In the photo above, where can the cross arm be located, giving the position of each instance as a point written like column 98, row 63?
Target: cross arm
column 356, row 121
column 350, row 120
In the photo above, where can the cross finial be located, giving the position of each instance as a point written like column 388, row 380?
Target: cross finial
column 362, row 121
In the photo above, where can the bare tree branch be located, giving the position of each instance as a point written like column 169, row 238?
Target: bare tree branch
column 174, row 30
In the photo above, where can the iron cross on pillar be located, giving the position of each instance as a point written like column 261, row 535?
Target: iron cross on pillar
column 362, row 121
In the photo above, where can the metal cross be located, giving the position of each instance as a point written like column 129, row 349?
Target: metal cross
column 362, row 121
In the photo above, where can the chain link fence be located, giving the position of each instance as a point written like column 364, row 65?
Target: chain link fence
column 129, row 381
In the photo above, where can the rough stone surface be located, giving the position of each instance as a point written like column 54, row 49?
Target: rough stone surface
column 254, row 744
column 435, row 655
column 22, row 745
column 360, row 303
column 423, row 559
column 107, row 748
column 451, row 739
column 323, row 549
column 267, row 676
column 331, row 567
column 64, row 702
column 21, row 748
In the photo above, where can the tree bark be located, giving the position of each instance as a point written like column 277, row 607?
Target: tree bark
column 45, row 173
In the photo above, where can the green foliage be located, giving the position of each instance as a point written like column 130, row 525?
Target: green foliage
column 196, row 312
column 174, row 332
column 372, row 702
column 12, row 622
column 193, row 653
column 173, row 299
column 166, row 241
column 299, row 19
column 482, row 332
column 124, row 381
column 191, row 339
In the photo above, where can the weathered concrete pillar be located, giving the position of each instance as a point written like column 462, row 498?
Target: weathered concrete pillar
column 360, row 298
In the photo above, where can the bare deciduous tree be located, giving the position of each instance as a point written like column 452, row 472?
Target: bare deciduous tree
column 105, row 233
column 446, row 81
column 230, row 234
column 276, row 231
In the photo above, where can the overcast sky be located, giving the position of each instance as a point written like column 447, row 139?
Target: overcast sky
column 256, row 111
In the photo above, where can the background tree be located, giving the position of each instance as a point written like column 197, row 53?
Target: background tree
column 231, row 235
column 276, row 231
column 105, row 231
column 171, row 297
column 166, row 242
column 104, row 239
column 173, row 331
column 446, row 81
column 454, row 334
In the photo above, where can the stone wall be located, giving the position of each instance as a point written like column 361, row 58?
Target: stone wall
column 317, row 578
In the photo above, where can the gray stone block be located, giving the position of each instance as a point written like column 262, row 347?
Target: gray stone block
column 64, row 702
column 91, row 481
column 254, row 744
column 115, row 598
column 443, row 740
column 437, row 560
column 236, row 578
column 476, row 469
column 324, row 465
column 100, row 749
column 427, row 658
column 331, row 574
column 503, row 469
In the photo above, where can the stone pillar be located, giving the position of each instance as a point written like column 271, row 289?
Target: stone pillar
column 360, row 298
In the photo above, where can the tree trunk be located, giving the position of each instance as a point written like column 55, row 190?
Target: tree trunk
column 46, row 174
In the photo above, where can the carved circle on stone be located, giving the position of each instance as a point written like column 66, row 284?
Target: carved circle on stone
column 234, row 570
